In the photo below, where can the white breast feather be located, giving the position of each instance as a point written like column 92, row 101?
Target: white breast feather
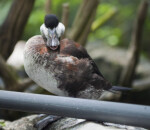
column 41, row 76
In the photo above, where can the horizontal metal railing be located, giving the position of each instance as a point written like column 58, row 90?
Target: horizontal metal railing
column 121, row 113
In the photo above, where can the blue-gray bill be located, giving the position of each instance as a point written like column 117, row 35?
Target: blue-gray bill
column 52, row 40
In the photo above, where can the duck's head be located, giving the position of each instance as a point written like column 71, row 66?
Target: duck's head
column 53, row 32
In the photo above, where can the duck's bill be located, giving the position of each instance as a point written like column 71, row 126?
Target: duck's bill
column 52, row 40
column 53, row 44
column 53, row 47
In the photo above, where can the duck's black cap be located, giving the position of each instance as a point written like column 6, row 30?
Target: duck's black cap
column 51, row 21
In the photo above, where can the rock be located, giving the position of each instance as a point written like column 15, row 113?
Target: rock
column 117, row 56
column 16, row 58
column 27, row 123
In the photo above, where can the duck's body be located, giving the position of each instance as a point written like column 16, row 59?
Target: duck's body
column 62, row 67
column 67, row 71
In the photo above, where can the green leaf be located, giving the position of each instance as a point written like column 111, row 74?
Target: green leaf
column 2, row 123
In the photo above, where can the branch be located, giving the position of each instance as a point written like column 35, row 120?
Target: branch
column 135, row 45
column 24, row 84
column 13, row 26
column 81, row 22
column 48, row 4
column 103, row 19
column 83, row 38
column 65, row 16
column 9, row 77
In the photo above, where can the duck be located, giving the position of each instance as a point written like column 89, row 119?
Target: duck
column 63, row 66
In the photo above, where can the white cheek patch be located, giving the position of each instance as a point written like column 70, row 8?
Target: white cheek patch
column 44, row 30
column 60, row 29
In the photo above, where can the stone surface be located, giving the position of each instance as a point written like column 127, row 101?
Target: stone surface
column 27, row 123
column 16, row 58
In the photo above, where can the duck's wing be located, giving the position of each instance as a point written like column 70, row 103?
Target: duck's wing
column 77, row 70
column 72, row 48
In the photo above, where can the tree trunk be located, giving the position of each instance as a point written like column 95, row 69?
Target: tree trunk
column 48, row 4
column 85, row 32
column 65, row 17
column 135, row 45
column 83, row 20
column 13, row 26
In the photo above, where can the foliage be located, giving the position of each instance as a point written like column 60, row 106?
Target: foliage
column 118, row 28
column 115, row 30
column 104, row 18
column 2, row 123
column 38, row 13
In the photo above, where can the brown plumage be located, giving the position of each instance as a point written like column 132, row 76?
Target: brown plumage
column 62, row 67
column 70, row 66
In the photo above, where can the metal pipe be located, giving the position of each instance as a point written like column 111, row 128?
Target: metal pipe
column 121, row 113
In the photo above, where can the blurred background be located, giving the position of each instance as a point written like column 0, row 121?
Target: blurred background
column 115, row 33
